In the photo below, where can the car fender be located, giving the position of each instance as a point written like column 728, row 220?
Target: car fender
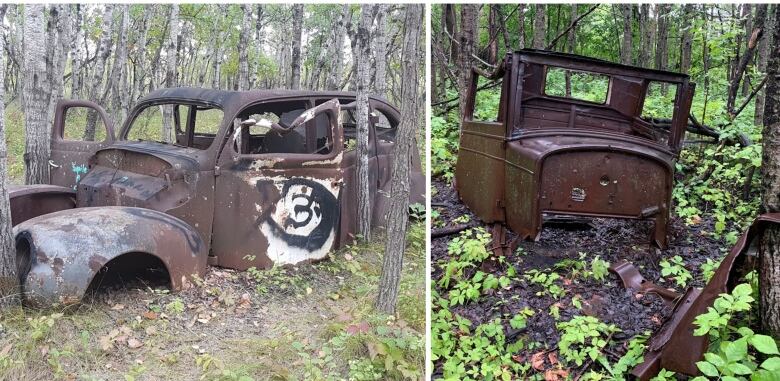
column 29, row 201
column 59, row 254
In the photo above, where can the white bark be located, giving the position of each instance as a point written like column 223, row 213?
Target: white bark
column 380, row 51
column 295, row 79
column 337, row 71
column 171, row 73
column 36, row 97
column 243, row 48
column 104, row 50
column 363, row 70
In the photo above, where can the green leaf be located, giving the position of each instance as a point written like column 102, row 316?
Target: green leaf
column 738, row 368
column 736, row 350
column 772, row 363
column 764, row 344
column 707, row 369
column 714, row 359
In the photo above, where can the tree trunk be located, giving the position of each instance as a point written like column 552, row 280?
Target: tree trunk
column 687, row 39
column 662, row 35
column 171, row 72
column 646, row 36
column 36, row 93
column 362, row 82
column 257, row 45
column 747, row 13
column 752, row 40
column 380, row 58
column 9, row 282
column 449, row 18
column 570, row 41
column 76, row 54
column 468, row 19
column 492, row 10
column 118, row 80
column 769, row 261
column 141, row 67
column 540, row 26
column 217, row 49
column 521, row 8
column 61, row 23
column 295, row 79
column 764, row 48
column 243, row 48
column 104, row 50
column 625, row 46
column 336, row 72
column 398, row 214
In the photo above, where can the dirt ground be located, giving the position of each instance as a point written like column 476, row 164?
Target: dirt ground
column 610, row 239
column 264, row 325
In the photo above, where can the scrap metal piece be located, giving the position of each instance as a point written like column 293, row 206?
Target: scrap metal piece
column 674, row 347
column 634, row 281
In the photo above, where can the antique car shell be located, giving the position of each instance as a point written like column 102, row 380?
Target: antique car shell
column 547, row 155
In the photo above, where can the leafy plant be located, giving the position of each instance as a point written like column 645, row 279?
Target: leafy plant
column 583, row 337
column 546, row 281
column 675, row 268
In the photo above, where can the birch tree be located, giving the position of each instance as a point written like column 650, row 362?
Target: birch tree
column 77, row 50
column 171, row 73
column 35, row 97
column 244, row 47
column 540, row 26
column 9, row 284
column 295, row 79
column 103, row 52
column 118, row 80
column 362, row 109
column 334, row 76
column 625, row 46
column 398, row 211
column 380, row 51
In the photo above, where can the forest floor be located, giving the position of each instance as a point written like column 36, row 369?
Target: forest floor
column 569, row 251
column 313, row 321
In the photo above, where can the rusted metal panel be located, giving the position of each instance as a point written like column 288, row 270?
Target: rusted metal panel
column 674, row 347
column 567, row 156
column 29, row 201
column 58, row 254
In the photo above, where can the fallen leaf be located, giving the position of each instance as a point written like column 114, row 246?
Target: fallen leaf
column 555, row 375
column 6, row 350
column 348, row 257
column 151, row 330
column 134, row 343
column 553, row 358
column 566, row 282
column 117, row 307
column 361, row 327
column 537, row 360
column 151, row 315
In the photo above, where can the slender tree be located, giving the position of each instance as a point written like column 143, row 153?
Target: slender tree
column 752, row 40
column 77, row 51
column 398, row 214
column 521, row 9
column 625, row 46
column 540, row 26
column 764, row 49
column 171, row 73
column 295, row 79
column 769, row 262
column 36, row 94
column 687, row 38
column 363, row 72
column 645, row 36
column 662, row 35
column 335, row 74
column 243, row 51
column 468, row 19
column 118, row 82
column 9, row 284
column 380, row 51
column 103, row 52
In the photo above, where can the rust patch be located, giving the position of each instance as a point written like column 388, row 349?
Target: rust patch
column 96, row 262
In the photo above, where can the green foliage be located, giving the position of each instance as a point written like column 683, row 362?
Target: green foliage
column 675, row 268
column 444, row 143
column 583, row 337
column 547, row 281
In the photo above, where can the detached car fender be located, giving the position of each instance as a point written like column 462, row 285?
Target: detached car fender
column 59, row 254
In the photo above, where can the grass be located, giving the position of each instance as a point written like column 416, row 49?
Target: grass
column 309, row 322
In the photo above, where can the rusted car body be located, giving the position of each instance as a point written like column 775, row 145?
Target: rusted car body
column 243, row 179
column 551, row 154
column 674, row 347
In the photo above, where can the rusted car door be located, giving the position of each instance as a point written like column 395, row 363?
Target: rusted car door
column 282, row 205
column 71, row 146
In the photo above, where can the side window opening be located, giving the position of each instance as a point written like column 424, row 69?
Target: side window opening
column 312, row 137
column 384, row 129
column 83, row 124
column 486, row 100
column 659, row 101
column 149, row 125
column 579, row 85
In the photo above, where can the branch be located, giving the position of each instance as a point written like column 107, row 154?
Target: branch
column 572, row 25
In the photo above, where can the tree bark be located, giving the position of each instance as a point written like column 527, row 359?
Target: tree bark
column 380, row 58
column 662, row 35
column 362, row 109
column 216, row 63
column 769, row 261
column 257, row 48
column 492, row 55
column 646, row 36
column 570, row 41
column 9, row 283
column 104, row 50
column 171, row 73
column 141, row 67
column 118, row 80
column 77, row 52
column 687, row 39
column 36, row 93
column 540, row 26
column 625, row 46
column 243, row 48
column 752, row 40
column 336, row 72
column 764, row 48
column 449, row 19
column 398, row 214
column 295, row 80
column 468, row 19
column 747, row 13
column 521, row 8
column 61, row 23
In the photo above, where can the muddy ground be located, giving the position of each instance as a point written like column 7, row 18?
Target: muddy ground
column 610, row 239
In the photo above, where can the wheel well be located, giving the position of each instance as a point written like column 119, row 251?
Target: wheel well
column 131, row 269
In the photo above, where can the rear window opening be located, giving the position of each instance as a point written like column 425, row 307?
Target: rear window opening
column 313, row 137
column 579, row 85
